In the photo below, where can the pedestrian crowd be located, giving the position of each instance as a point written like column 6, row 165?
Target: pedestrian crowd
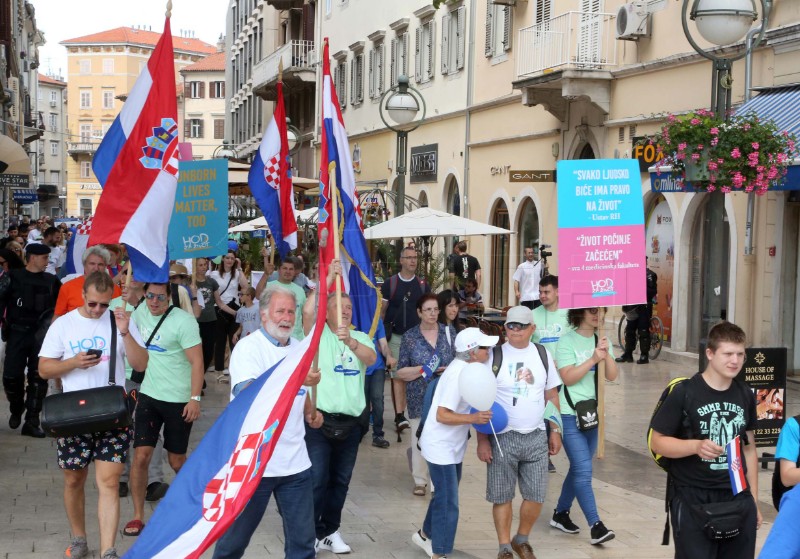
column 160, row 340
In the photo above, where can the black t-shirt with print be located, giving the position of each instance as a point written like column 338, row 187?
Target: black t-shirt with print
column 713, row 414
column 402, row 309
column 464, row 267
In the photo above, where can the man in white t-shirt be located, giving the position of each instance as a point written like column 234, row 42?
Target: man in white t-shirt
column 526, row 280
column 524, row 386
column 77, row 349
column 288, row 473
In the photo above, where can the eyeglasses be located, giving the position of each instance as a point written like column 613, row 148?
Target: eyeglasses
column 93, row 304
column 408, row 258
column 487, row 348
column 433, row 309
column 516, row 326
column 160, row 297
column 595, row 310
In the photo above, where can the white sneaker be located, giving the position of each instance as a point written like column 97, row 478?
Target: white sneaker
column 423, row 542
column 334, row 543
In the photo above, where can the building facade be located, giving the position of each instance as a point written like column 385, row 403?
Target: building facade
column 102, row 68
column 51, row 148
column 512, row 87
column 203, row 104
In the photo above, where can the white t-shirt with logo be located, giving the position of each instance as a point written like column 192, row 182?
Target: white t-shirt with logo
column 521, row 383
column 446, row 444
column 251, row 357
column 72, row 334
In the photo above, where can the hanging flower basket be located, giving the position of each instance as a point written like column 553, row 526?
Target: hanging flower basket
column 743, row 154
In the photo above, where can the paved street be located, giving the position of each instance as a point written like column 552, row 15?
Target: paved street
column 381, row 513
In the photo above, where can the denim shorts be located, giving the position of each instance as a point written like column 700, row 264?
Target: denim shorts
column 78, row 451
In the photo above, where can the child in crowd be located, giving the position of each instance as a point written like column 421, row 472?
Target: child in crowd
column 247, row 317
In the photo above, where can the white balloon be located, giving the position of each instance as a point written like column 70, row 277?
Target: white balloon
column 478, row 386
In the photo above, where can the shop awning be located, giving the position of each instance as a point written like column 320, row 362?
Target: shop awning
column 781, row 105
column 13, row 157
column 27, row 196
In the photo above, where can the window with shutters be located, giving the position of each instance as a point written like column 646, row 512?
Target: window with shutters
column 108, row 65
column 53, row 148
column 453, row 40
column 197, row 90
column 85, row 66
column 108, row 98
column 424, row 51
column 217, row 90
column 219, row 128
column 53, row 122
column 85, row 131
column 357, row 79
column 86, row 169
column 86, row 98
column 376, row 59
column 399, row 57
column 543, row 10
column 590, row 30
column 195, row 128
column 498, row 29
column 340, row 83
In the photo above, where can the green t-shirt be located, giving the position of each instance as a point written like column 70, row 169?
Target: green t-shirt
column 169, row 374
column 574, row 349
column 341, row 388
column 300, row 295
column 550, row 326
column 116, row 302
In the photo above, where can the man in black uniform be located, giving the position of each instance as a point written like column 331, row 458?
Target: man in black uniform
column 639, row 322
column 463, row 266
column 28, row 301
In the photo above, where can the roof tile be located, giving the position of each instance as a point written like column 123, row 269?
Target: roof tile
column 129, row 35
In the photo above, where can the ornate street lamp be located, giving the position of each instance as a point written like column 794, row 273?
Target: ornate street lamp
column 224, row 151
column 293, row 136
column 402, row 103
column 720, row 22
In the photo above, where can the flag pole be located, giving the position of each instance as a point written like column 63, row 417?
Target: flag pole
column 169, row 9
column 129, row 277
column 601, row 392
column 194, row 273
column 336, row 241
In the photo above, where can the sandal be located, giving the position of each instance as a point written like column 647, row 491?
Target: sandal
column 133, row 528
column 419, row 490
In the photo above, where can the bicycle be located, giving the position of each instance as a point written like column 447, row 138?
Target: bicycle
column 656, row 335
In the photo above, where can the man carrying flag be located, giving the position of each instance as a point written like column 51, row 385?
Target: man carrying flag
column 270, row 180
column 720, row 410
column 137, row 165
column 288, row 474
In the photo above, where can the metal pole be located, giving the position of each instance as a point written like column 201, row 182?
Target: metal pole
column 402, row 148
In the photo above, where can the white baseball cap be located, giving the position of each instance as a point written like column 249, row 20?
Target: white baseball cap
column 520, row 314
column 470, row 338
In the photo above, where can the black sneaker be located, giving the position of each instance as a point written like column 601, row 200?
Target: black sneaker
column 562, row 521
column 600, row 534
column 155, row 491
column 380, row 442
column 32, row 429
column 15, row 420
column 624, row 358
column 123, row 489
column 401, row 422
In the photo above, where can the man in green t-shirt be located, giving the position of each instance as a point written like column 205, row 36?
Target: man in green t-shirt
column 551, row 322
column 344, row 355
column 170, row 392
column 286, row 275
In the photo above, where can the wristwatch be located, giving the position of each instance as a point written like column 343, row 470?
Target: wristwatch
column 196, row 398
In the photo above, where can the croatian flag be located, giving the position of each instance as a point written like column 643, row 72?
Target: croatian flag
column 221, row 475
column 76, row 246
column 736, row 465
column 270, row 181
column 137, row 165
column 357, row 273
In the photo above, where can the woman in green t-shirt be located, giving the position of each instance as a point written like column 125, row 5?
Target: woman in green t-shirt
column 577, row 354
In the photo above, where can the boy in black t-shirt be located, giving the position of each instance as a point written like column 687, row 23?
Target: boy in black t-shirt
column 692, row 427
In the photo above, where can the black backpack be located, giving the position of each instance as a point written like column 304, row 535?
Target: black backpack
column 778, row 488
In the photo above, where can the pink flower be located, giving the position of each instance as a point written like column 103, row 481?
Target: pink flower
column 695, row 121
column 714, row 131
column 695, row 157
column 735, row 153
column 755, row 145
column 712, row 166
column 682, row 146
column 714, row 142
column 700, row 147
column 711, row 188
column 725, row 189
column 737, row 179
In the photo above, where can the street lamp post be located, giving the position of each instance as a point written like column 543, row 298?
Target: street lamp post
column 401, row 102
column 720, row 22
column 224, row 151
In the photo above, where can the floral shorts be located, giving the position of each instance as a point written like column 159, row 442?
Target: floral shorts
column 76, row 452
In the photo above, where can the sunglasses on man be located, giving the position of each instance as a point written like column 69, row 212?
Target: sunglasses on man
column 160, row 297
column 514, row 326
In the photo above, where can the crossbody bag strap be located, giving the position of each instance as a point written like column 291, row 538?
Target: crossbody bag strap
column 160, row 322
column 566, row 389
column 112, row 361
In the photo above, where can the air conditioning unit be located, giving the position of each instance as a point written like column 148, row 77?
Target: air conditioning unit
column 632, row 21
column 53, row 103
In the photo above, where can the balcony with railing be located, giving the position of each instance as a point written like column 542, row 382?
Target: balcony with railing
column 34, row 126
column 299, row 59
column 566, row 57
column 75, row 149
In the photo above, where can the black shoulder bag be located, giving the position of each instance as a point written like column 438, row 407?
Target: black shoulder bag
column 138, row 376
column 93, row 410
column 586, row 415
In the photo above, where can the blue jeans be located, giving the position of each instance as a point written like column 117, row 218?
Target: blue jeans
column 373, row 388
column 332, row 464
column 579, row 446
column 443, row 507
column 294, row 497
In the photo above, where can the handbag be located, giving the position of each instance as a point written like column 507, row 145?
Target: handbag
column 93, row 410
column 233, row 305
column 337, row 426
column 586, row 416
column 138, row 376
column 720, row 521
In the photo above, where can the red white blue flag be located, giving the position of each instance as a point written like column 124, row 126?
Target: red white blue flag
column 736, row 465
column 270, row 181
column 76, row 246
column 137, row 166
column 357, row 273
column 221, row 475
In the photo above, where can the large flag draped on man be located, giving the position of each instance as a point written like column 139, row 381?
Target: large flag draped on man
column 359, row 278
column 270, row 180
column 221, row 475
column 137, row 166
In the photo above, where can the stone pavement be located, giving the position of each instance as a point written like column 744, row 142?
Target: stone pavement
column 381, row 513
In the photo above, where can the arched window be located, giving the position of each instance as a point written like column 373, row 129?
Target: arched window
column 499, row 267
column 527, row 228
